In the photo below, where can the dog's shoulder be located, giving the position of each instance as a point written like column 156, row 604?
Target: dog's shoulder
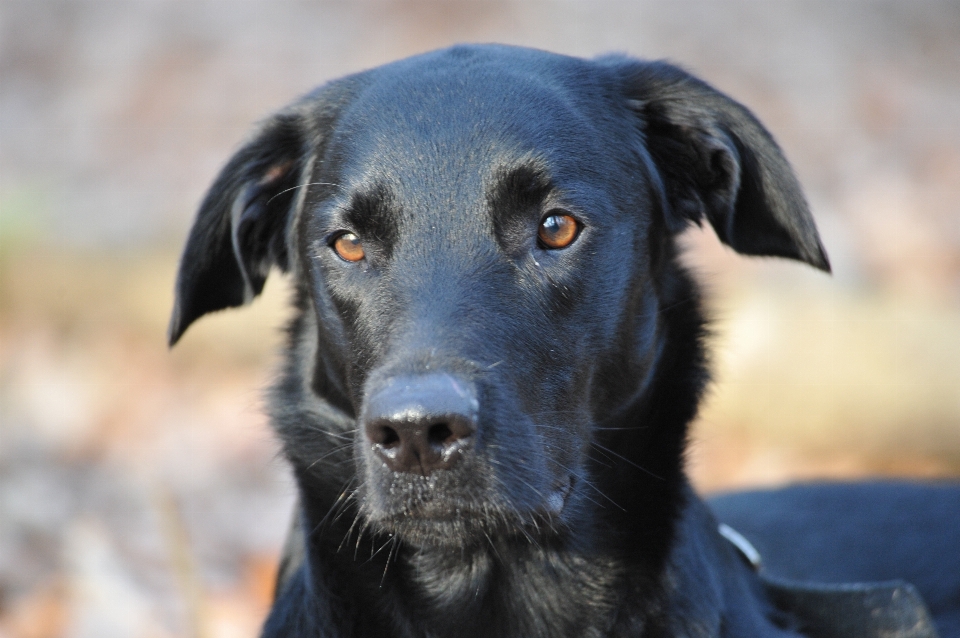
column 710, row 590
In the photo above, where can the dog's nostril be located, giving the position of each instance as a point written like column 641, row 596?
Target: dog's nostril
column 440, row 434
column 386, row 436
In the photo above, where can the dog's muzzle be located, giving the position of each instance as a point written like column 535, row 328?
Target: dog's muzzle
column 421, row 424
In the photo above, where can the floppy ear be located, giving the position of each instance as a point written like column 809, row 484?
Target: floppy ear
column 240, row 230
column 716, row 160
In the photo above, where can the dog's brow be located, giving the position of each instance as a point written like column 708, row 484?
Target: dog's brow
column 373, row 213
column 513, row 191
column 524, row 184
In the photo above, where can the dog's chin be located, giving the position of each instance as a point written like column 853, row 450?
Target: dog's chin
column 441, row 524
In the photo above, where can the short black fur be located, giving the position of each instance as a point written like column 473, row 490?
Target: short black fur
column 488, row 435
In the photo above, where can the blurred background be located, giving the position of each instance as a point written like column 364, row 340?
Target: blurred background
column 141, row 491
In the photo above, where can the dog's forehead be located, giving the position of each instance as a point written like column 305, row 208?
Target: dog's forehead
column 453, row 121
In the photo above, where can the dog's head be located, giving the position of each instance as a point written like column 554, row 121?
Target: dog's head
column 482, row 241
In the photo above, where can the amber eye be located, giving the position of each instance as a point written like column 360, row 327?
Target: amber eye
column 558, row 230
column 348, row 246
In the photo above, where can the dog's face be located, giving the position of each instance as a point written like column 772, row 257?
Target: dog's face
column 456, row 253
column 482, row 239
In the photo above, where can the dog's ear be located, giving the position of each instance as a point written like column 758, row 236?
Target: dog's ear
column 716, row 160
column 241, row 229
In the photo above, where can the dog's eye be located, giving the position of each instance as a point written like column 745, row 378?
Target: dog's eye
column 348, row 247
column 558, row 230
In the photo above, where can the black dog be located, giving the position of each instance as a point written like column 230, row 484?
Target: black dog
column 495, row 353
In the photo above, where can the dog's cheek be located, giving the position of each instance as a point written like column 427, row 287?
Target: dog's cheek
column 627, row 367
column 328, row 355
column 622, row 315
column 344, row 313
column 553, row 364
column 514, row 453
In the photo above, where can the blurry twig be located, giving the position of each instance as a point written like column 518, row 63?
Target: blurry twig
column 183, row 562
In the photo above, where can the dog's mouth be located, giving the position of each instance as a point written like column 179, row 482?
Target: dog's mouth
column 444, row 520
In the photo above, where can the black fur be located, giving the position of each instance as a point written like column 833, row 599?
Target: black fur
column 565, row 511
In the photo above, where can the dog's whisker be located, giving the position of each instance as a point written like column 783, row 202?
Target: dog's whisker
column 349, row 532
column 394, row 544
column 581, row 479
column 337, row 504
column 334, row 451
column 374, row 553
column 541, row 413
column 626, row 460
column 544, row 426
column 344, row 504
column 364, row 526
column 293, row 188
column 347, row 435
column 663, row 309
column 530, row 485
column 493, row 547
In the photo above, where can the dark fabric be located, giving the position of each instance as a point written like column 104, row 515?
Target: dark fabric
column 876, row 531
column 863, row 610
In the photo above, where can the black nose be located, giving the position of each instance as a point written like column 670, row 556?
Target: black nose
column 419, row 424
